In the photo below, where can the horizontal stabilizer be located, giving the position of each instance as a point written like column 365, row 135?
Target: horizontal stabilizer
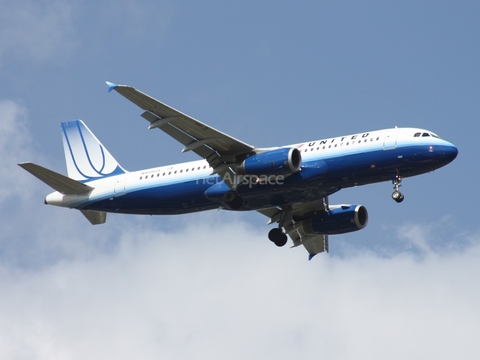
column 95, row 217
column 58, row 182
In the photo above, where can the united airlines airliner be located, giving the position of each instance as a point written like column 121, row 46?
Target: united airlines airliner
column 289, row 184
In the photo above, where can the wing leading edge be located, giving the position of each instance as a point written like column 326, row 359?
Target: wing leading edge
column 219, row 149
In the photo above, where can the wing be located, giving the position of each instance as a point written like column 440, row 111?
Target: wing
column 314, row 244
column 219, row 149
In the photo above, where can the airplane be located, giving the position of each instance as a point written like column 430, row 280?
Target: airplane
column 290, row 184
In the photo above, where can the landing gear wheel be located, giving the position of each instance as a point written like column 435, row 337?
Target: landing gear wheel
column 398, row 196
column 277, row 236
column 232, row 199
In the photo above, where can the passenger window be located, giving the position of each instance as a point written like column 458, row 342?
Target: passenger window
column 141, row 177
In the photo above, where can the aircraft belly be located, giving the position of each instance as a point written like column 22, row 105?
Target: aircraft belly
column 178, row 198
column 378, row 166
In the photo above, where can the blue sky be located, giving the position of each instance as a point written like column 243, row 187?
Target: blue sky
column 211, row 285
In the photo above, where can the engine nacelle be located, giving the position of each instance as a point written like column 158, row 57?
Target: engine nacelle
column 338, row 220
column 283, row 161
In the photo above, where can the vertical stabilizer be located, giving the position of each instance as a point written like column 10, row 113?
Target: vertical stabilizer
column 87, row 159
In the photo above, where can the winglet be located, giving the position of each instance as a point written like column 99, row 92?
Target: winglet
column 310, row 256
column 111, row 86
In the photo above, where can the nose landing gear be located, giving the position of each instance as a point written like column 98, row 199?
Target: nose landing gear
column 397, row 195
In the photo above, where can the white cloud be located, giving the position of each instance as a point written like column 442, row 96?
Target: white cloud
column 39, row 30
column 216, row 291
column 14, row 144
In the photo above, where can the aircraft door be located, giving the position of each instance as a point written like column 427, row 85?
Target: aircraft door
column 390, row 140
column 119, row 188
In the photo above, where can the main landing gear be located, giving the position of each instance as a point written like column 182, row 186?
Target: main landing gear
column 397, row 195
column 278, row 237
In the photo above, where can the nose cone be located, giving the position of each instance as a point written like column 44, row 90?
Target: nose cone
column 445, row 153
column 450, row 152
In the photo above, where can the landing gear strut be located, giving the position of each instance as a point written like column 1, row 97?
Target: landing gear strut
column 397, row 195
column 278, row 237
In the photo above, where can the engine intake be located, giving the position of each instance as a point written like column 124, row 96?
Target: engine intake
column 283, row 161
column 339, row 219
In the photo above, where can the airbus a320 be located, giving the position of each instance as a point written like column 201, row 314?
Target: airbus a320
column 289, row 184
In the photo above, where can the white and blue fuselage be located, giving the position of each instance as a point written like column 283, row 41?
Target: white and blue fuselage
column 328, row 165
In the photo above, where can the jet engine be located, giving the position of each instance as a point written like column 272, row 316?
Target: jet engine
column 284, row 161
column 338, row 219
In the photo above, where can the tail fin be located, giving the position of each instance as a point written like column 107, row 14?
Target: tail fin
column 87, row 159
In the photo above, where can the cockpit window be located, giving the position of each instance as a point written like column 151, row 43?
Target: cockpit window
column 426, row 134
